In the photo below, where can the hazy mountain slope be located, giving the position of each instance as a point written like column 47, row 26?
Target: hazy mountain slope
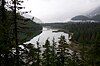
column 96, row 11
column 35, row 19
column 91, row 15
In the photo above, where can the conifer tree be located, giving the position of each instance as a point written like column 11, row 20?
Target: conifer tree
column 62, row 51
column 4, row 36
column 47, row 54
column 38, row 54
column 54, row 53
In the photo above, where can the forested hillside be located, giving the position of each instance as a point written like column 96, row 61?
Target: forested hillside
column 80, row 17
column 26, row 27
column 83, row 31
column 86, row 36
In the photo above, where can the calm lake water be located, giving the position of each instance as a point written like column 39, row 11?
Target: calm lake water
column 47, row 33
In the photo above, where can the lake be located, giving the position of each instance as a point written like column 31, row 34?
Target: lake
column 48, row 33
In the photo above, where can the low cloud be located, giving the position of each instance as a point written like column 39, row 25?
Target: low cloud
column 59, row 10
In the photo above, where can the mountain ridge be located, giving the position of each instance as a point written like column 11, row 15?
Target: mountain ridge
column 80, row 17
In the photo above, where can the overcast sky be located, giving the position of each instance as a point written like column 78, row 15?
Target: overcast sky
column 59, row 10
